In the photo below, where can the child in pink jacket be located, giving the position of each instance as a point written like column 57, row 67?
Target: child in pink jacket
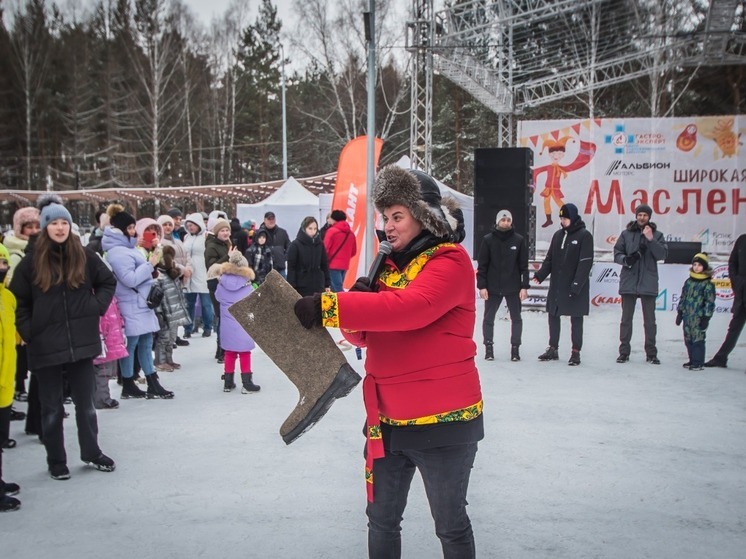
column 113, row 348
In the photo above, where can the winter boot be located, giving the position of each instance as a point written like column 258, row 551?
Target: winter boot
column 574, row 358
column 549, row 355
column 155, row 390
column 514, row 355
column 549, row 221
column 102, row 463
column 130, row 389
column 248, row 385
column 9, row 504
column 311, row 359
column 228, row 383
column 489, row 354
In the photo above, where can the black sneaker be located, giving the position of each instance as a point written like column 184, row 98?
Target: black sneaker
column 622, row 358
column 180, row 342
column 514, row 354
column 9, row 504
column 653, row 360
column 716, row 363
column 574, row 358
column 549, row 355
column 206, row 333
column 102, row 463
column 21, row 397
column 687, row 364
column 59, row 471
column 9, row 443
column 696, row 368
column 11, row 489
column 17, row 415
column 187, row 336
column 489, row 354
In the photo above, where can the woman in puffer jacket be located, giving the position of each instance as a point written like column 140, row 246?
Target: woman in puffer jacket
column 62, row 289
column 135, row 276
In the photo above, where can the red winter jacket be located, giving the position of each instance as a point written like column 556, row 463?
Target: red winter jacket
column 419, row 333
column 340, row 244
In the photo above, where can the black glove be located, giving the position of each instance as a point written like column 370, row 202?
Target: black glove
column 679, row 318
column 643, row 249
column 308, row 310
column 361, row 284
column 632, row 259
column 704, row 322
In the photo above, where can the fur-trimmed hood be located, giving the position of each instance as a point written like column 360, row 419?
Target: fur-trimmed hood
column 242, row 271
column 632, row 226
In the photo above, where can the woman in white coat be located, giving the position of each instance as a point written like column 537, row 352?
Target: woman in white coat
column 196, row 285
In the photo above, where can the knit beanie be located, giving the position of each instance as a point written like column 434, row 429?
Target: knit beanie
column 645, row 209
column 339, row 215
column 29, row 214
column 220, row 224
column 165, row 219
column 501, row 214
column 238, row 260
column 703, row 259
column 51, row 209
column 570, row 211
column 174, row 212
column 119, row 218
column 421, row 195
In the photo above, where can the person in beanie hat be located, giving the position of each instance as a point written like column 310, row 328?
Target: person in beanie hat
column 502, row 272
column 696, row 307
column 568, row 261
column 278, row 240
column 422, row 392
column 235, row 284
column 62, row 289
column 737, row 275
column 638, row 249
column 135, row 276
column 178, row 232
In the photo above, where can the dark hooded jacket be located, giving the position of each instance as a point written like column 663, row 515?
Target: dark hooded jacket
column 308, row 268
column 61, row 325
column 278, row 239
column 502, row 263
column 737, row 273
column 642, row 277
column 569, row 262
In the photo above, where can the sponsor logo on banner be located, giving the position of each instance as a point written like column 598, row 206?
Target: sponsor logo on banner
column 635, row 143
column 661, row 301
column 611, row 239
column 600, row 300
column 608, row 275
column 715, row 241
column 723, row 288
column 617, row 167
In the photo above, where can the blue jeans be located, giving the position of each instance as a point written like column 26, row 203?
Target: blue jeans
column 207, row 313
column 144, row 346
column 445, row 473
column 337, row 278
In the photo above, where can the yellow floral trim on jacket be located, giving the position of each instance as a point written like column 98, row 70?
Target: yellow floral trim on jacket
column 374, row 431
column 329, row 310
column 464, row 414
column 391, row 277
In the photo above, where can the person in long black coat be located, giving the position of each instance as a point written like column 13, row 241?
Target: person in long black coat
column 569, row 261
column 307, row 263
column 62, row 289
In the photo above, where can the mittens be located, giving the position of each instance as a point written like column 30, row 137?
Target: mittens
column 631, row 259
column 704, row 322
column 308, row 310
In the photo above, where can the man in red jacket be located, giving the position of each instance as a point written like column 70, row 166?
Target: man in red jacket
column 341, row 246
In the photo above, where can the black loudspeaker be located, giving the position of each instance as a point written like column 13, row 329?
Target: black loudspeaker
column 682, row 253
column 502, row 177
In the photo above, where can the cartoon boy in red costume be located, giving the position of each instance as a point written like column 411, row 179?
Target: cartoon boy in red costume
column 555, row 172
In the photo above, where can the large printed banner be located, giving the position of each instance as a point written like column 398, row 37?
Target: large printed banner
column 690, row 170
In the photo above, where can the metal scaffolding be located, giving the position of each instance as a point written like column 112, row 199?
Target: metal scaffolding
column 514, row 54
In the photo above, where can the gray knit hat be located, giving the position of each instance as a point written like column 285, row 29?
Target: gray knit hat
column 51, row 209
column 503, row 213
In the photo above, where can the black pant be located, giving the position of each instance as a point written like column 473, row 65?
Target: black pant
column 576, row 331
column 491, row 305
column 21, row 368
column 4, row 425
column 82, row 379
column 648, row 319
column 33, row 408
column 734, row 331
column 445, row 473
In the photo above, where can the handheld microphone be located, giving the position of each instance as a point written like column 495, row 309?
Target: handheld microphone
column 384, row 249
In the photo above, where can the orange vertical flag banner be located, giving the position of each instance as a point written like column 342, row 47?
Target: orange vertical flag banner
column 351, row 196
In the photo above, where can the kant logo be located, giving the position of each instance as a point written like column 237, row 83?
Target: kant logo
column 599, row 300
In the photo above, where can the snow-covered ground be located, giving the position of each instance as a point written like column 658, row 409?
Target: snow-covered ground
column 597, row 461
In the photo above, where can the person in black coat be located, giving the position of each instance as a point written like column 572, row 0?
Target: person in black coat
column 62, row 289
column 569, row 261
column 307, row 265
column 278, row 240
column 737, row 275
column 502, row 272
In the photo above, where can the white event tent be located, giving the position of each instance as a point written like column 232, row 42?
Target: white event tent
column 290, row 203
